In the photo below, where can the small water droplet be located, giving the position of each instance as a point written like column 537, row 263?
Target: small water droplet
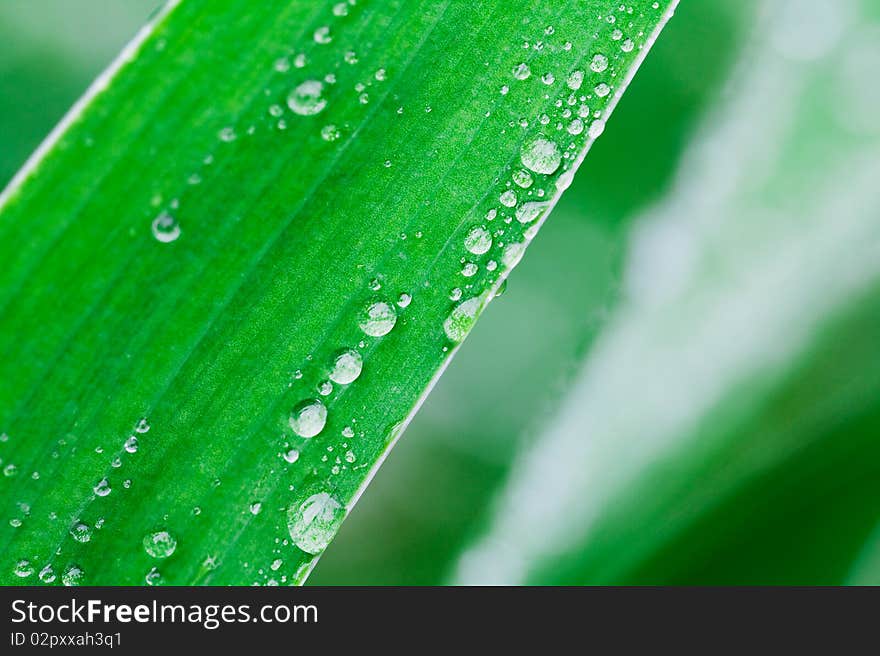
column 307, row 99
column 153, row 577
column 102, row 489
column 522, row 71
column 313, row 523
column 160, row 544
column 461, row 319
column 81, row 532
column 47, row 574
column 308, row 418
column 322, row 35
column 575, row 80
column 522, row 178
column 530, row 211
column 131, row 444
column 347, row 366
column 255, row 508
column 72, row 575
column 330, row 133
column 404, row 300
column 165, row 229
column 599, row 63
column 602, row 89
column 508, row 198
column 291, row 456
column 23, row 569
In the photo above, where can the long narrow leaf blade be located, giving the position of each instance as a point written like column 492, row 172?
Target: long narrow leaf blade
column 238, row 265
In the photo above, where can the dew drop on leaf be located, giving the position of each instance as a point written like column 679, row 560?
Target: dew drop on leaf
column 347, row 366
column 478, row 240
column 72, row 575
column 378, row 318
column 160, row 544
column 541, row 155
column 461, row 319
column 308, row 418
column 313, row 523
column 165, row 229
column 307, row 98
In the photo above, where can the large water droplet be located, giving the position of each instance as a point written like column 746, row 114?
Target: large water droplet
column 541, row 155
column 347, row 366
column 307, row 99
column 461, row 319
column 378, row 319
column 23, row 569
column 314, row 522
column 308, row 418
column 160, row 544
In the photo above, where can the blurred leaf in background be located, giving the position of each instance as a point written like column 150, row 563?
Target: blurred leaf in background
column 724, row 428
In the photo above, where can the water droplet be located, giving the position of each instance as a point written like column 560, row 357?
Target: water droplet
column 541, row 155
column 512, row 254
column 291, row 456
column 348, row 431
column 576, row 127
column 102, row 489
column 308, row 418
column 462, row 318
column 10, row 470
column 282, row 64
column 72, row 575
column 455, row 294
column 23, row 569
column 81, row 532
column 300, row 60
column 339, row 9
column 508, row 198
column 227, row 135
column 599, row 63
column 153, row 577
column 47, row 574
column 628, row 45
column 314, row 522
column 160, row 544
column 330, row 133
column 347, row 366
column 575, row 80
column 602, row 89
column 325, row 387
column 131, row 444
column 548, row 78
column 528, row 212
column 307, row 98
column 165, row 228
column 597, row 127
column 521, row 71
column 255, row 508
column 404, row 300
column 478, row 240
column 378, row 318
column 469, row 269
column 276, row 564
column 522, row 178
column 322, row 35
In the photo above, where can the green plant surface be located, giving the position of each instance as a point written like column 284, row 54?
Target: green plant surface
column 235, row 269
column 724, row 427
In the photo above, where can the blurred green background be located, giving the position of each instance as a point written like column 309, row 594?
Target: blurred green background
column 435, row 494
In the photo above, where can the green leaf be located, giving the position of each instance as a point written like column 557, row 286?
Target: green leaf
column 238, row 265
column 724, row 427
